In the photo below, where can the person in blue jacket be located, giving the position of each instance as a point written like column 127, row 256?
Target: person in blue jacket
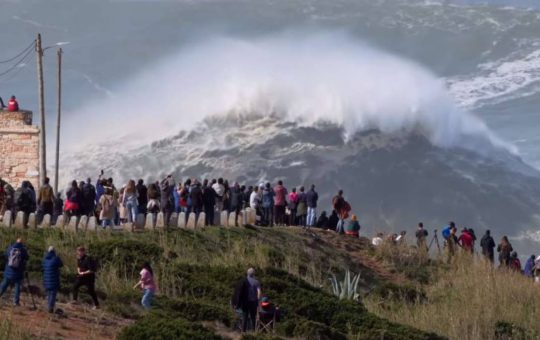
column 16, row 259
column 51, row 276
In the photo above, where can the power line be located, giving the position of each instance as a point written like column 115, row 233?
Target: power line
column 18, row 55
column 14, row 66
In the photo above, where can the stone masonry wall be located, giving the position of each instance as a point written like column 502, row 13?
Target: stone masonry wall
column 19, row 148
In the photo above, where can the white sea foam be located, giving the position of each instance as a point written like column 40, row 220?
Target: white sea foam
column 496, row 82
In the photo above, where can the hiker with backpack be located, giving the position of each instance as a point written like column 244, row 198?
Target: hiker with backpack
column 147, row 284
column 51, row 276
column 17, row 257
column 86, row 276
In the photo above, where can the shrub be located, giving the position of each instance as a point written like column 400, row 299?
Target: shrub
column 158, row 328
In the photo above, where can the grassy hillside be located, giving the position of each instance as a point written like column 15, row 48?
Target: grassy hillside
column 196, row 271
column 466, row 299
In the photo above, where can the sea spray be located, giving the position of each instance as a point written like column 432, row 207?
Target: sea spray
column 303, row 77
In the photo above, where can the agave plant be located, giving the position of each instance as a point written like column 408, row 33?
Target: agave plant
column 348, row 288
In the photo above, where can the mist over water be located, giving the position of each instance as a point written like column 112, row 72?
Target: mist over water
column 302, row 76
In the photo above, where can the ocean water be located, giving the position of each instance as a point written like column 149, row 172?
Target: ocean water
column 463, row 73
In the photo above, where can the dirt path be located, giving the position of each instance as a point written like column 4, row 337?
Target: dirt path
column 357, row 248
column 77, row 322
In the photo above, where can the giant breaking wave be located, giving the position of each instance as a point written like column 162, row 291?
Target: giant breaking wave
column 303, row 77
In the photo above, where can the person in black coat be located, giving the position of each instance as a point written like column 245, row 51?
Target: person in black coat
column 246, row 296
column 196, row 196
column 236, row 201
column 322, row 222
column 333, row 220
column 209, row 202
column 488, row 246
column 51, row 276
column 86, row 275
column 143, row 196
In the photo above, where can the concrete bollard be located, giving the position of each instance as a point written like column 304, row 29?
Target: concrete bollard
column 224, row 218
column 128, row 227
column 200, row 220
column 92, row 223
column 139, row 224
column 72, row 225
column 46, row 222
column 173, row 221
column 60, row 222
column 149, row 225
column 181, row 220
column 32, row 221
column 19, row 223
column 160, row 221
column 232, row 218
column 7, row 221
column 191, row 221
column 83, row 223
column 217, row 217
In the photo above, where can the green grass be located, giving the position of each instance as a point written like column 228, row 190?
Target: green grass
column 197, row 270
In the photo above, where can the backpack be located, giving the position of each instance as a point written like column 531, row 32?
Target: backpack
column 106, row 206
column 15, row 258
column 267, row 200
column 89, row 192
column 446, row 232
column 24, row 200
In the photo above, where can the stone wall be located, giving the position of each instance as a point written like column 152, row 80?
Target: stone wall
column 19, row 148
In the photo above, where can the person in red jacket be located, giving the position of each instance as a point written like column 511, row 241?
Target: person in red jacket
column 466, row 240
column 13, row 105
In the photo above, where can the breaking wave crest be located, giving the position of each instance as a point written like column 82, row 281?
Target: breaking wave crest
column 321, row 77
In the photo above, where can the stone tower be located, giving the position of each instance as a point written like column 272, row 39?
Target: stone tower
column 19, row 148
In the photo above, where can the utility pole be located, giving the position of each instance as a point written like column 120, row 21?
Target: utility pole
column 59, row 114
column 42, row 146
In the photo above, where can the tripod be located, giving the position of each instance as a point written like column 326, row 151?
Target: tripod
column 434, row 240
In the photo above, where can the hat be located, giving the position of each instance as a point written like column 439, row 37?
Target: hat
column 51, row 248
column 265, row 301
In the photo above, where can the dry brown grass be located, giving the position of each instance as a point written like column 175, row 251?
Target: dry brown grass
column 466, row 301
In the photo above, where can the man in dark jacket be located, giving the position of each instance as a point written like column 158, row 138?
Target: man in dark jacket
column 89, row 198
column 488, row 244
column 209, row 201
column 24, row 201
column 196, row 196
column 143, row 196
column 16, row 258
column 86, row 275
column 167, row 204
column 312, row 197
column 58, row 208
column 237, row 200
column 51, row 276
column 246, row 297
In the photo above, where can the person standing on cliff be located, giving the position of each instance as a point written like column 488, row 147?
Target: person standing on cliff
column 45, row 200
column 2, row 106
